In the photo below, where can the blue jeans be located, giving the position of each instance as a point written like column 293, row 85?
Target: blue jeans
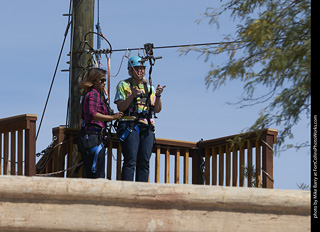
column 136, row 150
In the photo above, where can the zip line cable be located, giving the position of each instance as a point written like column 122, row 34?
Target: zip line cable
column 177, row 46
column 55, row 71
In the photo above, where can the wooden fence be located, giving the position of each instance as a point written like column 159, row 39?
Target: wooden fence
column 213, row 162
column 247, row 163
column 18, row 145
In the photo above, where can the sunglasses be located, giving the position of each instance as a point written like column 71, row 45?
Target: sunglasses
column 103, row 80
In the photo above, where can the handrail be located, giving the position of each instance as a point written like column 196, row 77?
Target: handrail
column 16, row 131
column 231, row 163
column 208, row 162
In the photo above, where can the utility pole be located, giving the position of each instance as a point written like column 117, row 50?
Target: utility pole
column 82, row 23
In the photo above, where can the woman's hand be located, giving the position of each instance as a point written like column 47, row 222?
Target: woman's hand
column 136, row 91
column 117, row 116
column 159, row 90
column 158, row 104
column 107, row 118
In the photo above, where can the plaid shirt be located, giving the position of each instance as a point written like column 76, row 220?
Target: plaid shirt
column 93, row 104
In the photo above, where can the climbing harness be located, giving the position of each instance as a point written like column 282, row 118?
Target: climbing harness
column 145, row 114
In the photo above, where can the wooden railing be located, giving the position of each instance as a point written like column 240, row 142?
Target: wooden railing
column 18, row 145
column 213, row 162
column 246, row 163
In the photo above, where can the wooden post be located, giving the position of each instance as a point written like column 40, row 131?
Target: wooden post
column 241, row 166
column 59, row 152
column 221, row 166
column 167, row 166
column 197, row 175
column 109, row 160
column 228, row 165
column 250, row 168
column 234, row 166
column 268, row 139
column 207, row 166
column 186, row 167
column 82, row 23
column 119, row 161
column 214, row 165
column 177, row 167
column 258, row 164
column 6, row 154
column 30, row 147
column 157, row 165
column 13, row 153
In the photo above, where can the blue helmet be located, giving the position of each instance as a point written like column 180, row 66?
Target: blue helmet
column 135, row 61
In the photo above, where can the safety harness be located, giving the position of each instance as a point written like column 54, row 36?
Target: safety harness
column 145, row 114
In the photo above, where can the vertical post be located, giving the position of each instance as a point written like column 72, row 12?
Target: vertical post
column 267, row 159
column 109, row 160
column 157, row 165
column 82, row 23
column 119, row 150
column 70, row 151
column 59, row 152
column 6, row 154
column 241, row 166
column 207, row 165
column 234, row 165
column 186, row 167
column 250, row 167
column 258, row 164
column 197, row 175
column 30, row 147
column 13, row 153
column 177, row 167
column 221, row 166
column 228, row 165
column 167, row 166
column 214, row 151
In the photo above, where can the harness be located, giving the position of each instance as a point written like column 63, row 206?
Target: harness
column 145, row 114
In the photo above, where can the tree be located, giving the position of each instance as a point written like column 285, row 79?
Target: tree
column 272, row 49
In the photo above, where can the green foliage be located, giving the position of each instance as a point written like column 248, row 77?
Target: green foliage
column 303, row 186
column 272, row 49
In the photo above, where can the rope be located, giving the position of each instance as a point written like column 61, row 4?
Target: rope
column 48, row 158
column 61, row 171
column 55, row 71
column 267, row 145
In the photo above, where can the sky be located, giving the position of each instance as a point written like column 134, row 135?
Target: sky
column 31, row 38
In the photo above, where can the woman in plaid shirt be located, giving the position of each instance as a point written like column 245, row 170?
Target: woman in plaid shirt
column 95, row 113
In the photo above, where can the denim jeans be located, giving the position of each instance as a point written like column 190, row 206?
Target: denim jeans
column 136, row 150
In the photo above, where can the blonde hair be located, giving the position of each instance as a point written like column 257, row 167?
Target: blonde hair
column 91, row 76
